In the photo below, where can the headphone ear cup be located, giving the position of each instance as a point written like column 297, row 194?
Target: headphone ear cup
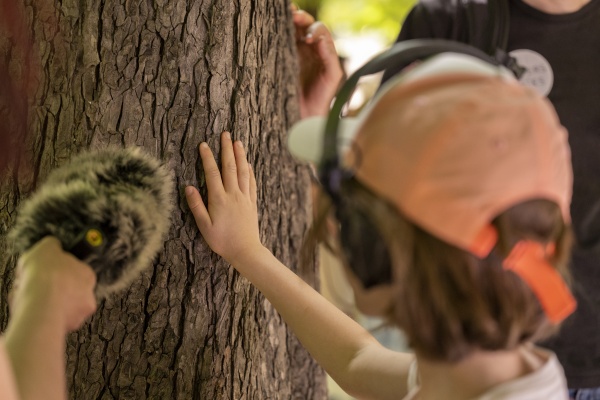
column 364, row 248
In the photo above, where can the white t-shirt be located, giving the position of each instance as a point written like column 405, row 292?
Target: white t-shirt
column 546, row 383
column 8, row 388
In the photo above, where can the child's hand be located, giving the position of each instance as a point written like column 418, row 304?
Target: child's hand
column 320, row 68
column 230, row 224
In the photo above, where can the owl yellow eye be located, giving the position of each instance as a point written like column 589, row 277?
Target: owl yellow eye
column 94, row 237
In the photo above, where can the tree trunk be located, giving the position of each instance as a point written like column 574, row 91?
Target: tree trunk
column 166, row 75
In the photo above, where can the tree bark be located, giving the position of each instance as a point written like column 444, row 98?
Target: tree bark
column 166, row 75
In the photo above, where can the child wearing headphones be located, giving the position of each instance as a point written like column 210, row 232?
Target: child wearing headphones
column 463, row 180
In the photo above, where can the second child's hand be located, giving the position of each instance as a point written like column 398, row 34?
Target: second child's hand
column 320, row 70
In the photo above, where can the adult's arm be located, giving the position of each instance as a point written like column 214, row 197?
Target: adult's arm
column 8, row 388
column 54, row 295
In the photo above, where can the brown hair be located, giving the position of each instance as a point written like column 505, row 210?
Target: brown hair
column 448, row 301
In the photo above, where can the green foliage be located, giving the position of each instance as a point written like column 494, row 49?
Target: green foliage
column 357, row 16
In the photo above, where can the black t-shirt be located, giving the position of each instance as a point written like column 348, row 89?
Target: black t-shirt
column 563, row 53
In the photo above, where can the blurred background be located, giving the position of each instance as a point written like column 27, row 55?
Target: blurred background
column 361, row 29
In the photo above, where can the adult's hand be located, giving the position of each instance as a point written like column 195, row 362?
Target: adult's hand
column 53, row 294
column 55, row 283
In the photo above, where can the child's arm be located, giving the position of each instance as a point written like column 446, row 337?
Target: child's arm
column 358, row 363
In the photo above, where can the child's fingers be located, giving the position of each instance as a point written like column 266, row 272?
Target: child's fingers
column 328, row 54
column 228, row 164
column 197, row 207
column 243, row 171
column 211, row 171
column 315, row 32
column 302, row 19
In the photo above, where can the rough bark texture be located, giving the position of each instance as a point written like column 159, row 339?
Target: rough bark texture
column 166, row 75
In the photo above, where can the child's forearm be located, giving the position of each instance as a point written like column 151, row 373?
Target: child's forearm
column 336, row 341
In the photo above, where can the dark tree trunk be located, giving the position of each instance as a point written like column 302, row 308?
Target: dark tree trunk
column 166, row 75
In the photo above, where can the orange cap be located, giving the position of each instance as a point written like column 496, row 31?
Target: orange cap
column 454, row 151
column 452, row 144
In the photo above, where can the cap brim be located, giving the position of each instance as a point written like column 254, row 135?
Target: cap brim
column 305, row 139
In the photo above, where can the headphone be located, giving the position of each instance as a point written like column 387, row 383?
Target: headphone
column 363, row 246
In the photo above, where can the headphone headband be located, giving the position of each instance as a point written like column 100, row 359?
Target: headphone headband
column 403, row 53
